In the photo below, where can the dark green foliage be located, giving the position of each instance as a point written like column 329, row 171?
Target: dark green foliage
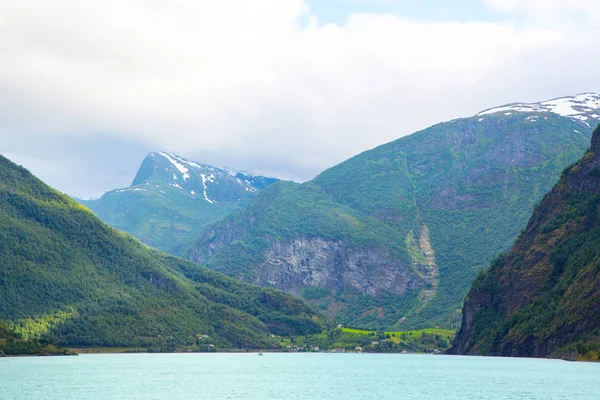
column 12, row 344
column 66, row 276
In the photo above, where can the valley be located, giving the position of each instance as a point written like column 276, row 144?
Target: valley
column 389, row 241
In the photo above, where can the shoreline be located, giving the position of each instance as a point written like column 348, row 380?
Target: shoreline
column 125, row 350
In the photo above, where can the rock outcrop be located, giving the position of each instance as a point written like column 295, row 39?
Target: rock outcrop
column 333, row 265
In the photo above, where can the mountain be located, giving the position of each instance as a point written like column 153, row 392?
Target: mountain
column 171, row 199
column 69, row 278
column 542, row 299
column 583, row 107
column 393, row 237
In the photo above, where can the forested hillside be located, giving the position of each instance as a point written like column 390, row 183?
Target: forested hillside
column 68, row 277
column 13, row 345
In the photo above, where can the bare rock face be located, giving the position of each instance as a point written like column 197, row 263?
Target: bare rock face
column 316, row 262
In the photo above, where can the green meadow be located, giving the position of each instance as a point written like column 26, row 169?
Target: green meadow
column 352, row 339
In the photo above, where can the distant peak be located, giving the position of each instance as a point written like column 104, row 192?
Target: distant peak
column 175, row 171
column 579, row 106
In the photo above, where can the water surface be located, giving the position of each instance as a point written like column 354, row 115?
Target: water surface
column 293, row 376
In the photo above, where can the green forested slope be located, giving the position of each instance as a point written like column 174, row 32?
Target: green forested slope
column 473, row 183
column 67, row 276
column 543, row 297
column 393, row 237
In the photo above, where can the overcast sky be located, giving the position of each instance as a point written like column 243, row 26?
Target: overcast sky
column 285, row 88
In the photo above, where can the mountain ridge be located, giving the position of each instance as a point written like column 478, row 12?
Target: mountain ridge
column 472, row 182
column 582, row 107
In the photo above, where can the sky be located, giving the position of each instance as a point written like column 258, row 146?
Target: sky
column 283, row 88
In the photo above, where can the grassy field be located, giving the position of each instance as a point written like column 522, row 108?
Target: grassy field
column 431, row 331
column 107, row 350
column 418, row 341
column 400, row 336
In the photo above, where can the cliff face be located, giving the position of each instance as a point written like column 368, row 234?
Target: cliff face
column 542, row 299
column 333, row 265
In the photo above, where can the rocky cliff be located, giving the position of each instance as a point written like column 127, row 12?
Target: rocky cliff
column 542, row 299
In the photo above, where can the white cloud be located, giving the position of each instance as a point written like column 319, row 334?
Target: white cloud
column 589, row 8
column 262, row 85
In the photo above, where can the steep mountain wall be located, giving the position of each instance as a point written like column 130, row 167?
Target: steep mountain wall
column 542, row 299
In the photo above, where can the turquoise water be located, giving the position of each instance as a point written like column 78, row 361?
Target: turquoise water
column 293, row 376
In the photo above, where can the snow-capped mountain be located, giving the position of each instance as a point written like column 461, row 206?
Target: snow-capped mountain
column 171, row 199
column 169, row 171
column 584, row 107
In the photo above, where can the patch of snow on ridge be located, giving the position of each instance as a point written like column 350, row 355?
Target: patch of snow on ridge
column 532, row 118
column 131, row 190
column 180, row 167
column 570, row 106
column 204, row 184
column 192, row 164
column 195, row 165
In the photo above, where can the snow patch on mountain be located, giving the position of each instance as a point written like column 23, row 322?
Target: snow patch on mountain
column 180, row 167
column 173, row 171
column 130, row 190
column 204, row 184
column 578, row 107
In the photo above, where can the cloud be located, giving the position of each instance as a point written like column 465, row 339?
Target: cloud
column 260, row 85
column 586, row 8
